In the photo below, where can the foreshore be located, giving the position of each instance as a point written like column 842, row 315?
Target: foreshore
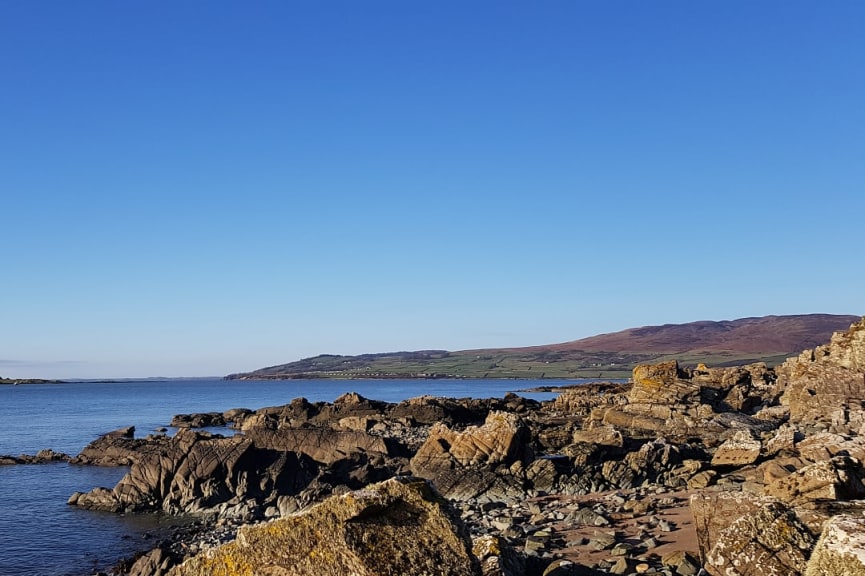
column 670, row 473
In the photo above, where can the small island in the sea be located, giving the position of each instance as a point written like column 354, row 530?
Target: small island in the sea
column 17, row 381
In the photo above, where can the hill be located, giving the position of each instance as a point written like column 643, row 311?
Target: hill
column 768, row 339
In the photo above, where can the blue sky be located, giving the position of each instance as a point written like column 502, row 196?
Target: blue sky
column 195, row 188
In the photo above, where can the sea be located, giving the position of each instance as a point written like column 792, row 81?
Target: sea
column 41, row 535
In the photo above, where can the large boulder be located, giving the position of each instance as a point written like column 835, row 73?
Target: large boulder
column 462, row 464
column 825, row 387
column 739, row 450
column 745, row 535
column 840, row 549
column 502, row 439
column 323, row 445
column 118, row 448
column 662, row 383
column 837, row 479
column 398, row 527
column 199, row 472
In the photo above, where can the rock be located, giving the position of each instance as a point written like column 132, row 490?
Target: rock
column 745, row 535
column 542, row 474
column 840, row 549
column 683, row 563
column 701, row 479
column 602, row 435
column 620, row 566
column 202, row 420
column 157, row 562
column 588, row 517
column 837, row 479
column 118, row 448
column 196, row 472
column 582, row 400
column 461, row 464
column 323, row 445
column 396, row 527
column 662, row 384
column 497, row 557
column 824, row 387
column 740, row 450
column 602, row 541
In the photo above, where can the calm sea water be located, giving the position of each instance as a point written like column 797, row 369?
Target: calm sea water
column 41, row 535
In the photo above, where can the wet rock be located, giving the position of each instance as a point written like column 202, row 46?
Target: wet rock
column 202, row 420
column 118, row 448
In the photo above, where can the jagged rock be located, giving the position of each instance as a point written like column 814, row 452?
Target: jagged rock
column 840, row 549
column 740, row 450
column 745, row 535
column 542, row 474
column 603, row 435
column 200, row 420
column 784, row 438
column 197, row 472
column 840, row 478
column 683, row 563
column 323, row 445
column 119, row 448
column 388, row 529
column 461, row 464
column 42, row 457
column 497, row 557
column 825, row 387
column 582, row 400
column 157, row 562
column 662, row 383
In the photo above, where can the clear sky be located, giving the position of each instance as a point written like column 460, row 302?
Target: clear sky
column 198, row 188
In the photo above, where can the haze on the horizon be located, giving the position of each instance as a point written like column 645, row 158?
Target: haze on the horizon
column 193, row 189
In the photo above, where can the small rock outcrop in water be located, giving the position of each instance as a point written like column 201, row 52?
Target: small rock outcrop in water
column 747, row 471
column 397, row 527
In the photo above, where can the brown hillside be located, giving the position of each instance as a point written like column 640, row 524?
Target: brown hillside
column 767, row 334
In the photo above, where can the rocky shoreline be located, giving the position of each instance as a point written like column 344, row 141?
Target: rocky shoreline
column 746, row 470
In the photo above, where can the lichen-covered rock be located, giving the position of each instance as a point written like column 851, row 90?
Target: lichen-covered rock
column 393, row 528
column 662, row 383
column 840, row 551
column 741, row 534
column 825, row 387
column 602, row 435
column 740, row 450
column 837, row 479
column 760, row 538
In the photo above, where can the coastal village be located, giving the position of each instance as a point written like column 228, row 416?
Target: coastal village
column 745, row 471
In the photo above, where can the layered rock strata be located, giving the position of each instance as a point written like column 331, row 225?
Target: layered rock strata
column 769, row 459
